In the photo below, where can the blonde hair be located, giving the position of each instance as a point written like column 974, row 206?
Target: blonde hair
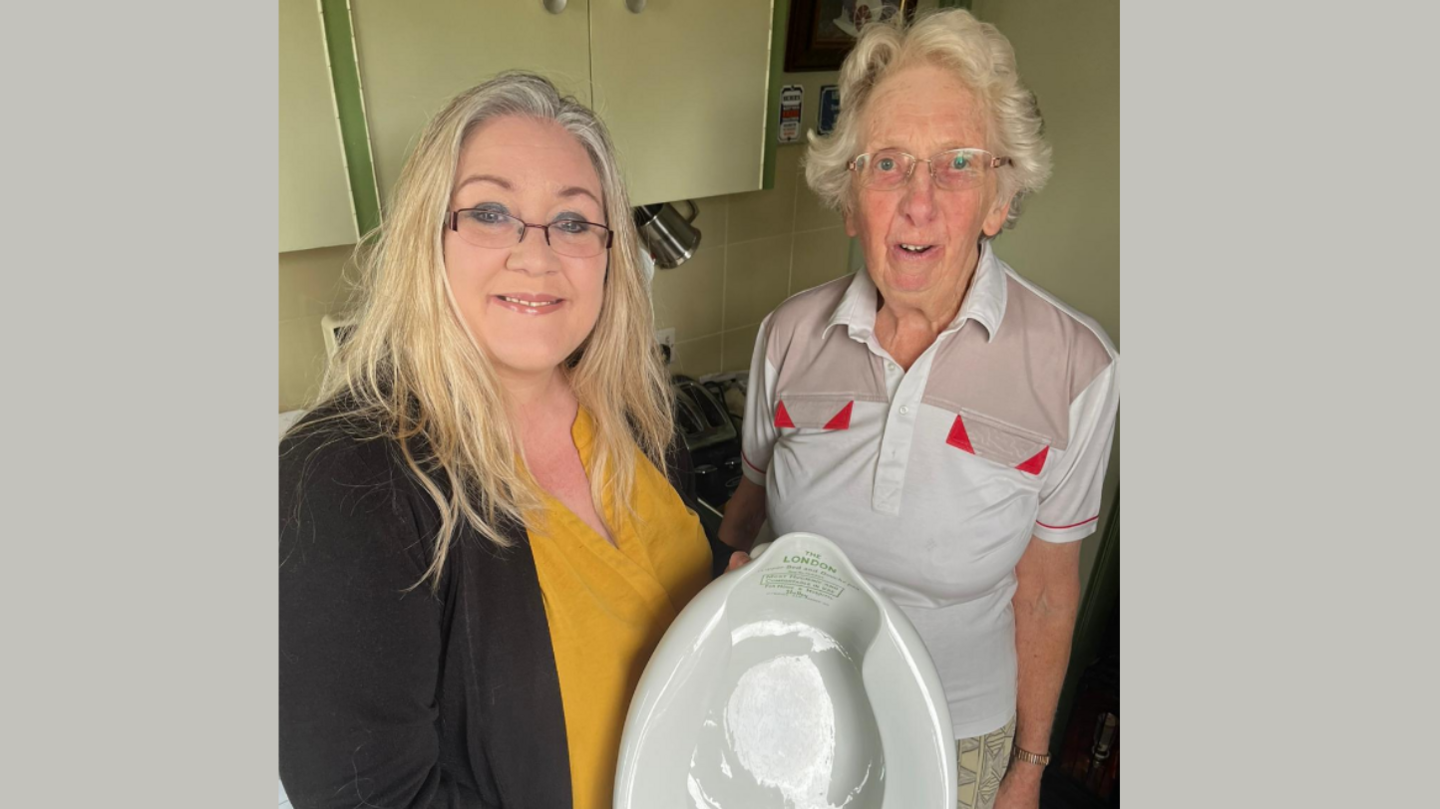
column 411, row 367
column 980, row 57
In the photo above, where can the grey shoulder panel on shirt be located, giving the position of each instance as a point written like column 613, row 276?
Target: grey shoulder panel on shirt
column 797, row 324
column 1040, row 359
column 813, row 360
column 1087, row 344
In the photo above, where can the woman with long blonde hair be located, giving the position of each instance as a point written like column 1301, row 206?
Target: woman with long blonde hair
column 481, row 533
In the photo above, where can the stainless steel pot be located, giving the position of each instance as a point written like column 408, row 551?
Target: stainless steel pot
column 670, row 238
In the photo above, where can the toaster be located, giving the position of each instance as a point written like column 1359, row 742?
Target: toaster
column 700, row 415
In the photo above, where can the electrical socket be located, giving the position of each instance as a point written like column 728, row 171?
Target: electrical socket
column 666, row 338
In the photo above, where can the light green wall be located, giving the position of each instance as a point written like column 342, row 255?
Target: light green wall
column 1068, row 238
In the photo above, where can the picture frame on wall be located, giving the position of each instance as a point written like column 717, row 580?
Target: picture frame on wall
column 822, row 32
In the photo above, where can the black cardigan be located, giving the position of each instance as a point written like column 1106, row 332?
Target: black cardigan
column 409, row 699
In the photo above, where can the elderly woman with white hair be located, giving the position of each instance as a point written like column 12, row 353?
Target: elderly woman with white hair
column 945, row 421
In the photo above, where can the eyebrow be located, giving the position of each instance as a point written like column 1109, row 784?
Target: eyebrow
column 486, row 178
column 575, row 191
column 570, row 191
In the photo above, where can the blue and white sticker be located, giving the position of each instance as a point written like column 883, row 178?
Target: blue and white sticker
column 792, row 99
column 829, row 108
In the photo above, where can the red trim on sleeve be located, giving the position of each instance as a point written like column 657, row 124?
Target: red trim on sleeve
column 1063, row 527
column 782, row 418
column 842, row 419
column 958, row 437
column 751, row 465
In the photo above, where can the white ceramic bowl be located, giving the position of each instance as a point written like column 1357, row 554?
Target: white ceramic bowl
column 790, row 683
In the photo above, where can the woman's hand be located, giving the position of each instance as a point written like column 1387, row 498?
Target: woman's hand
column 738, row 560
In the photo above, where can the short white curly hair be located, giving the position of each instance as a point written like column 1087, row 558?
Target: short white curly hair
column 980, row 57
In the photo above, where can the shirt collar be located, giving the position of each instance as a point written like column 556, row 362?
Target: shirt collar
column 984, row 301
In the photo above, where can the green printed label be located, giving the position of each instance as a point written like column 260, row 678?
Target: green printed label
column 805, row 575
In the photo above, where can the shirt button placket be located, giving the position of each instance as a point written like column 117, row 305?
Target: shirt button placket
column 899, row 429
column 901, row 386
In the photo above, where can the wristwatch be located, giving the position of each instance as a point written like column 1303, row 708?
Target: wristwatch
column 1025, row 755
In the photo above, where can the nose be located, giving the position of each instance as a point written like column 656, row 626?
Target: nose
column 918, row 204
column 531, row 254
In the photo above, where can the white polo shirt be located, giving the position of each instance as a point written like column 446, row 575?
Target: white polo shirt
column 933, row 480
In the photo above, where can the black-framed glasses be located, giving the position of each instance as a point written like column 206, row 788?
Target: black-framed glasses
column 576, row 238
column 952, row 169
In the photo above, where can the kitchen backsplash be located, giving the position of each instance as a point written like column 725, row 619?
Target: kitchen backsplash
column 756, row 250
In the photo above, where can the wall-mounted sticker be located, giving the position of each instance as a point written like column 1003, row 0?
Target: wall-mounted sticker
column 792, row 97
column 829, row 108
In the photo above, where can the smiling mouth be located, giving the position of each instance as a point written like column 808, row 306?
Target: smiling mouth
column 533, row 304
column 915, row 249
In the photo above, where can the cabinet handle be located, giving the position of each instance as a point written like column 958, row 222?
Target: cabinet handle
column 555, row 6
column 635, row 6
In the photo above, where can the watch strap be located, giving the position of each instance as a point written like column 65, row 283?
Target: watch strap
column 1025, row 755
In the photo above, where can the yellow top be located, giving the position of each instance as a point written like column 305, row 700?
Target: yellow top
column 608, row 605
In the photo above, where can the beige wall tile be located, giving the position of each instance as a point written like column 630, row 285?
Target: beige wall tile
column 820, row 256
column 313, row 282
column 740, row 347
column 810, row 214
column 302, row 361
column 689, row 297
column 697, row 357
column 757, row 279
column 759, row 214
column 711, row 221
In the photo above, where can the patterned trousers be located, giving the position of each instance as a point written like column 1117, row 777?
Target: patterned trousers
column 983, row 760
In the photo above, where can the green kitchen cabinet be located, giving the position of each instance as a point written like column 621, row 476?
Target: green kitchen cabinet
column 682, row 84
column 415, row 55
column 315, row 208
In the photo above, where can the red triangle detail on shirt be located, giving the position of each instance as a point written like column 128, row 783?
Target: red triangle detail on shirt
column 1035, row 464
column 958, row 437
column 782, row 419
column 842, row 419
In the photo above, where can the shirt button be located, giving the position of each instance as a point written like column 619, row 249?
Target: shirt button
column 904, row 410
column 892, row 366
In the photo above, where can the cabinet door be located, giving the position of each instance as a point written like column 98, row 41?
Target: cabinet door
column 315, row 209
column 416, row 55
column 683, row 87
